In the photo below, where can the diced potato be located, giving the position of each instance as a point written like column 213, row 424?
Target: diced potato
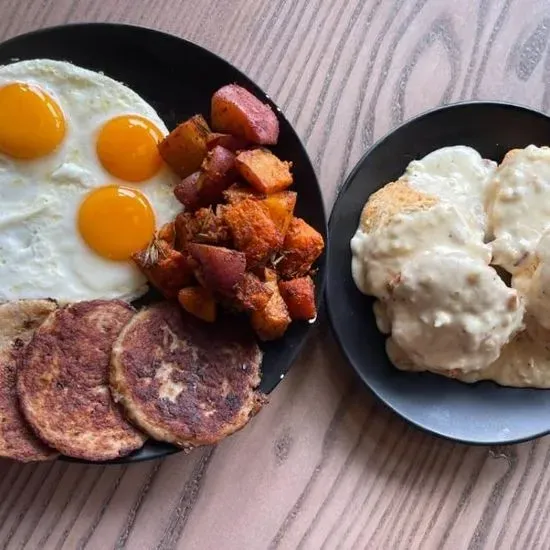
column 281, row 208
column 165, row 268
column 233, row 143
column 271, row 322
column 237, row 112
column 302, row 246
column 167, row 233
column 299, row 297
column 251, row 294
column 184, row 224
column 239, row 191
column 202, row 226
column 218, row 173
column 270, row 275
column 254, row 232
column 263, row 170
column 184, row 148
column 187, row 192
column 198, row 301
column 220, row 269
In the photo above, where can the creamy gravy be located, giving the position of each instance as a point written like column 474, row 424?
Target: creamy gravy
column 475, row 337
column 458, row 175
column 519, row 208
column 523, row 363
column 379, row 256
column 449, row 309
column 534, row 283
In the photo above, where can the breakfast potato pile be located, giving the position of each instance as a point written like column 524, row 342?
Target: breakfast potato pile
column 237, row 243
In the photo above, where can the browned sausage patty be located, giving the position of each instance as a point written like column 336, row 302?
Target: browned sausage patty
column 18, row 320
column 63, row 382
column 184, row 381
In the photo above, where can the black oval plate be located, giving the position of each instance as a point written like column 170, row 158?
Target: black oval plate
column 178, row 79
column 482, row 413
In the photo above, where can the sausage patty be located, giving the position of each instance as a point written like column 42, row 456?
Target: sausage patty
column 63, row 382
column 18, row 320
column 184, row 381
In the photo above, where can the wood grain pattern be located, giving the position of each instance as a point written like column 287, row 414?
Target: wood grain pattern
column 323, row 466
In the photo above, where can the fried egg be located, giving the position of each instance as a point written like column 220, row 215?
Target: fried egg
column 81, row 183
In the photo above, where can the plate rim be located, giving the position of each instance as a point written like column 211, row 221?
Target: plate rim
column 335, row 325
column 115, row 27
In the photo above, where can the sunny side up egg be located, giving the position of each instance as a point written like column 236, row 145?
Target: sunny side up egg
column 81, row 183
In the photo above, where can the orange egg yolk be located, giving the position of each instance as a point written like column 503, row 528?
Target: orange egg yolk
column 127, row 147
column 116, row 221
column 31, row 122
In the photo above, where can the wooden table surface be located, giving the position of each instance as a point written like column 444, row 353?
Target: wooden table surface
column 324, row 465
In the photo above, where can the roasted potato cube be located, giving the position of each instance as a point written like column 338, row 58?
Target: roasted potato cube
column 165, row 268
column 237, row 112
column 263, row 170
column 239, row 191
column 198, row 301
column 254, row 232
column 167, row 233
column 299, row 297
column 218, row 173
column 220, row 269
column 251, row 294
column 271, row 322
column 202, row 226
column 233, row 143
column 184, row 226
column 184, row 148
column 302, row 246
column 281, row 208
column 187, row 192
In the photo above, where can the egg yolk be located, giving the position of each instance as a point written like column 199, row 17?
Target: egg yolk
column 31, row 122
column 116, row 221
column 127, row 147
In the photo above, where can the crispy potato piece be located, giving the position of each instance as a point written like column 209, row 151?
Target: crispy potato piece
column 167, row 233
column 237, row 112
column 271, row 322
column 302, row 246
column 165, row 268
column 184, row 226
column 198, row 301
column 254, row 232
column 263, row 170
column 184, row 148
column 239, row 191
column 187, row 192
column 220, row 268
column 218, row 173
column 233, row 143
column 281, row 208
column 202, row 226
column 251, row 294
column 299, row 297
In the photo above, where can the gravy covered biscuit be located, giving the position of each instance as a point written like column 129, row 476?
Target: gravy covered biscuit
column 397, row 223
column 451, row 311
column 519, row 207
column 63, row 382
column 458, row 175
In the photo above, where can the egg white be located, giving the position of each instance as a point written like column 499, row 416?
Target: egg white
column 41, row 251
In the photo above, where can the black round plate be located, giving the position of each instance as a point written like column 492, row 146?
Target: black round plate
column 178, row 79
column 482, row 413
